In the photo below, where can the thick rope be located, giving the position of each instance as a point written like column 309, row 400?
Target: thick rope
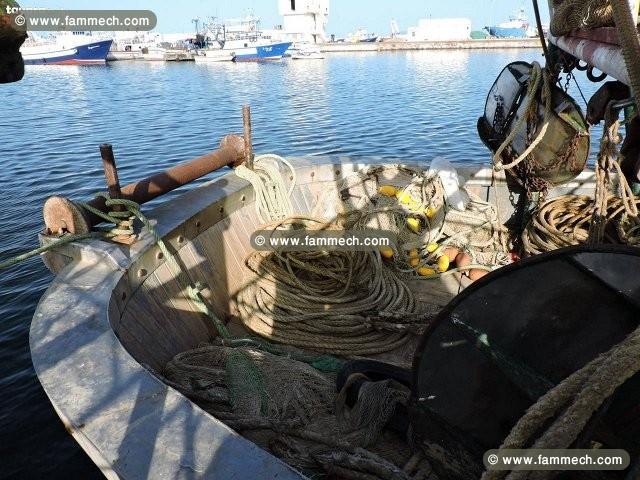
column 576, row 219
column 272, row 196
column 628, row 35
column 606, row 166
column 324, row 300
column 565, row 221
column 569, row 15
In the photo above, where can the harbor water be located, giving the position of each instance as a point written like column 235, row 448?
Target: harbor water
column 397, row 105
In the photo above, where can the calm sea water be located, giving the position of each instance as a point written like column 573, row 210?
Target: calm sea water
column 406, row 104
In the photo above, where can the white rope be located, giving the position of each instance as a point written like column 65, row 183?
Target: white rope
column 272, row 196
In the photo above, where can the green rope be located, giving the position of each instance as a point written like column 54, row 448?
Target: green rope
column 195, row 294
column 68, row 238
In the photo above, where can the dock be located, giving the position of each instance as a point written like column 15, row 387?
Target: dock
column 391, row 45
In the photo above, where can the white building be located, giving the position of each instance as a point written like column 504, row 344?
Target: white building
column 304, row 20
column 440, row 29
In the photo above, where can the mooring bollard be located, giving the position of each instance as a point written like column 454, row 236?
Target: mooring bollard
column 62, row 215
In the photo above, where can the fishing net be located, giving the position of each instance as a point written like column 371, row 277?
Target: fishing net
column 290, row 409
column 419, row 196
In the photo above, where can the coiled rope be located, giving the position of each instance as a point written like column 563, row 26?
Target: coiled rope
column 576, row 219
column 272, row 196
column 325, row 300
column 569, row 15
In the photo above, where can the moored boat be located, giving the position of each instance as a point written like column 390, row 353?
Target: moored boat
column 307, row 52
column 258, row 51
column 516, row 27
column 59, row 53
column 213, row 55
column 116, row 315
column 239, row 40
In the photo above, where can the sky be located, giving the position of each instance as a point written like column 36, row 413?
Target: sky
column 345, row 15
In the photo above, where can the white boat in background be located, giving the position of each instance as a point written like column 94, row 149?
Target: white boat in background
column 307, row 53
column 362, row 36
column 213, row 56
column 151, row 47
column 160, row 54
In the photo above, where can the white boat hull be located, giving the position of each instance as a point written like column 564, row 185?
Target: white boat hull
column 313, row 56
column 214, row 56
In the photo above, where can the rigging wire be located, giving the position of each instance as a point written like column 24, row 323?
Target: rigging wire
column 543, row 40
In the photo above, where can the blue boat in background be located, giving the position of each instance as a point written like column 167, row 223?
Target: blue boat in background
column 517, row 27
column 67, row 51
column 263, row 52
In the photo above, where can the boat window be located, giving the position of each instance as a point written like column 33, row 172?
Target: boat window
column 246, row 45
column 293, row 4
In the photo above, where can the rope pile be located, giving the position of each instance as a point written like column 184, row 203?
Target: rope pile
column 576, row 219
column 272, row 196
column 417, row 213
column 355, row 302
column 569, row 15
column 565, row 221
column 326, row 301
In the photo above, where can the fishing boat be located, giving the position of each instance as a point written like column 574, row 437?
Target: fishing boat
column 214, row 55
column 182, row 341
column 239, row 40
column 361, row 35
column 66, row 49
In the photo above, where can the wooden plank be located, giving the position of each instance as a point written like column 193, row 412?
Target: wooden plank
column 201, row 271
column 210, row 245
column 181, row 318
column 149, row 347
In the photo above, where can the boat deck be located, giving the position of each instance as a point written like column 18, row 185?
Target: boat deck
column 114, row 316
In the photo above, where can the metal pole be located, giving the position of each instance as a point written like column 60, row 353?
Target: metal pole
column 248, row 142
column 61, row 214
column 110, row 172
